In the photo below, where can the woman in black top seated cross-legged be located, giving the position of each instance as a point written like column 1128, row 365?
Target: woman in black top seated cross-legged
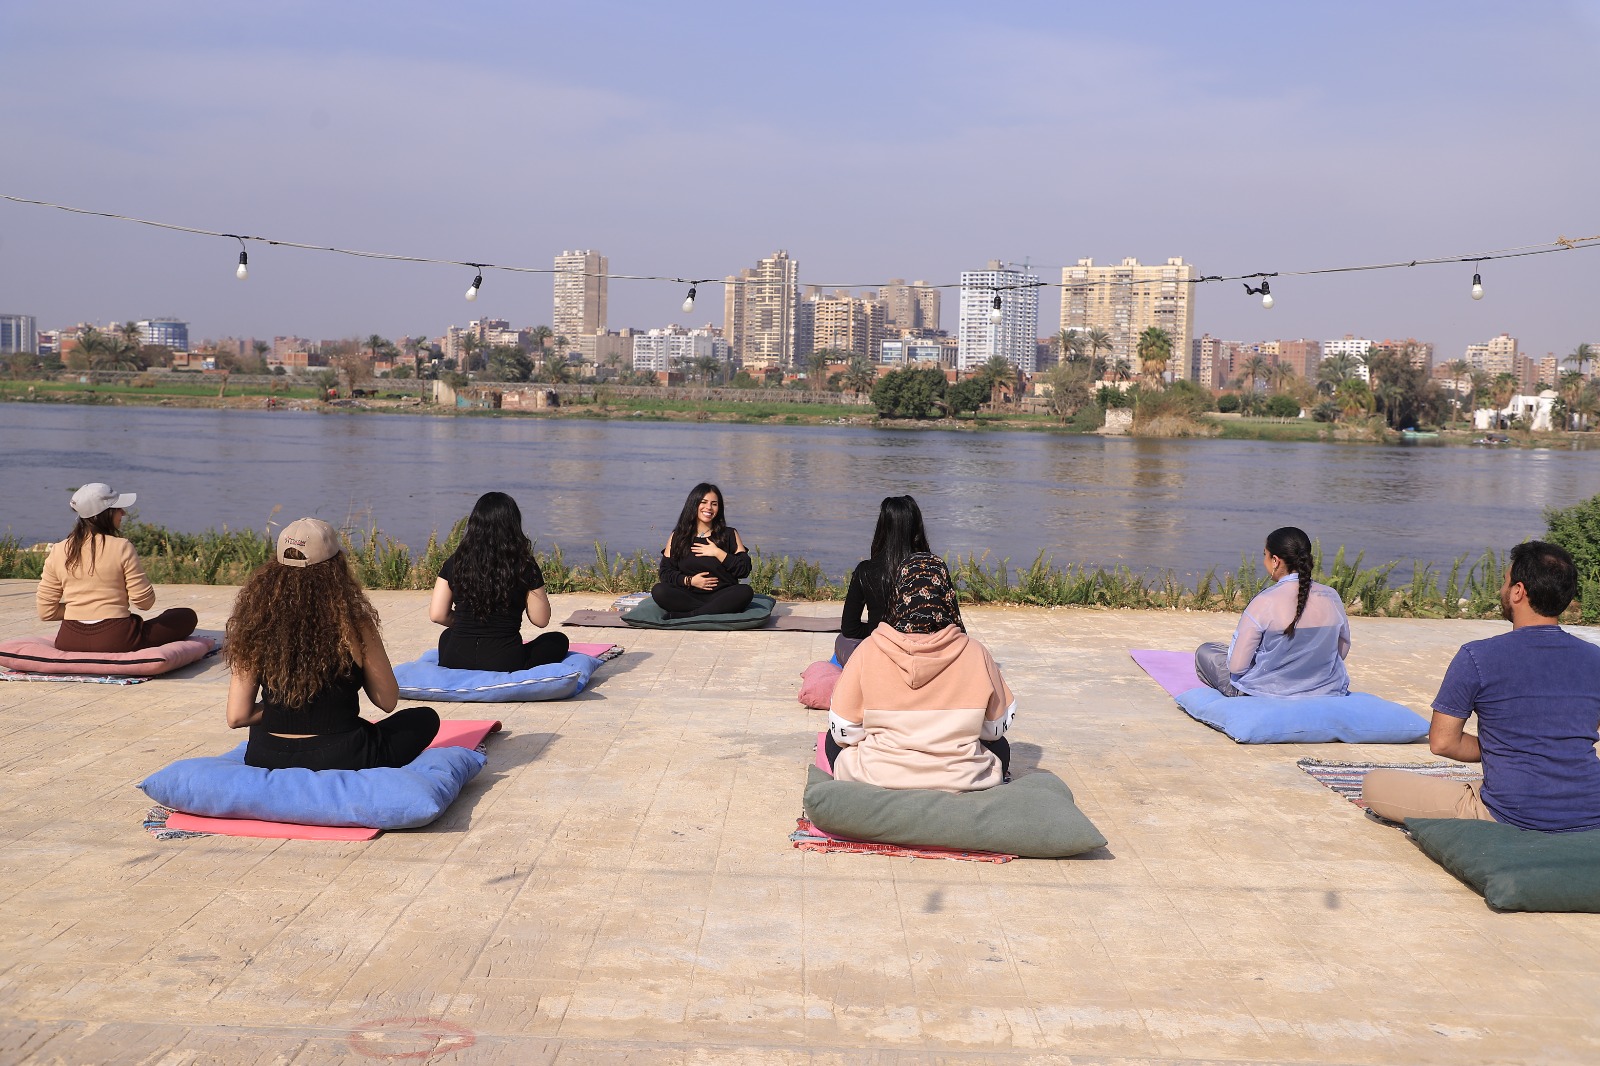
column 703, row 562
column 485, row 588
column 303, row 642
column 899, row 534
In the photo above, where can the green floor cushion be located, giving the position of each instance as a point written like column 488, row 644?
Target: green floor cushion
column 1516, row 869
column 1033, row 816
column 647, row 615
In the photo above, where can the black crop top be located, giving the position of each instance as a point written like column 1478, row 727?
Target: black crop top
column 866, row 591
column 335, row 708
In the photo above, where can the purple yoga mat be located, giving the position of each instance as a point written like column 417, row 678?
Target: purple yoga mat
column 1172, row 670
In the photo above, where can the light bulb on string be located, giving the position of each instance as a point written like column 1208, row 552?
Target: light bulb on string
column 688, row 301
column 1265, row 292
column 995, row 314
column 1477, row 286
column 244, row 261
column 477, row 283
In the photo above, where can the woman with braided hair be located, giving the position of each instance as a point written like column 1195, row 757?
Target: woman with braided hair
column 1293, row 638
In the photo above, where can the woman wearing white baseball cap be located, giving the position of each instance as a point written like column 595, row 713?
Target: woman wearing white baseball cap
column 92, row 578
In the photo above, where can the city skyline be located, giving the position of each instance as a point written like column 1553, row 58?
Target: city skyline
column 1284, row 143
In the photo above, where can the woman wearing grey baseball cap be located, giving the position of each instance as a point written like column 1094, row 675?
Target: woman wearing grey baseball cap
column 92, row 578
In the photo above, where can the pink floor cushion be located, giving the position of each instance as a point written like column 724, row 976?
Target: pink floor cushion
column 39, row 655
column 816, row 685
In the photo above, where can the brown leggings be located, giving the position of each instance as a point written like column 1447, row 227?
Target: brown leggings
column 127, row 634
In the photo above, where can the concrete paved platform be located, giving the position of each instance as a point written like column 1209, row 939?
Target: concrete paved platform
column 618, row 885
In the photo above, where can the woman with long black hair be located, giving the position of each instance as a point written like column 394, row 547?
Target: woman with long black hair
column 704, row 560
column 899, row 534
column 485, row 588
column 1293, row 637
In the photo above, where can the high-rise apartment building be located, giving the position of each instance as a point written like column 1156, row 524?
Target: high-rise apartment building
column 167, row 332
column 845, row 323
column 1494, row 357
column 19, row 333
column 1016, row 335
column 760, row 310
column 913, row 306
column 676, row 348
column 580, row 300
column 1210, row 362
column 1356, row 348
column 1302, row 356
column 1128, row 298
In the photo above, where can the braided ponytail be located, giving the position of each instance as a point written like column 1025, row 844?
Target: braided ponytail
column 1294, row 548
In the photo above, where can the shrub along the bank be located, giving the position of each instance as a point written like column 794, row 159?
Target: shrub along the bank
column 1468, row 589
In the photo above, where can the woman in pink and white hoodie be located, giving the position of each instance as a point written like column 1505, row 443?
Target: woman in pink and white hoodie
column 921, row 704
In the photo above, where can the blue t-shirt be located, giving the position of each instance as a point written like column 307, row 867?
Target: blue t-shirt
column 1536, row 691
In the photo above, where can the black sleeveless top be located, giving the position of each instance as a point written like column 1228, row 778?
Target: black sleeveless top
column 336, row 708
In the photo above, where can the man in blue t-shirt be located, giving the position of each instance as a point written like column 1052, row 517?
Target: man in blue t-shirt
column 1536, row 691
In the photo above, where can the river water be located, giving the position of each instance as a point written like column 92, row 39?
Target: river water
column 812, row 491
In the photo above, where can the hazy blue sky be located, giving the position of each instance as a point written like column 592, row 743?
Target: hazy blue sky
column 870, row 140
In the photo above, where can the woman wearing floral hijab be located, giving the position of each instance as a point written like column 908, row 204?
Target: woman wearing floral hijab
column 921, row 704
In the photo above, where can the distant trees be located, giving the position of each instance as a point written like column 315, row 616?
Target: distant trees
column 860, row 375
column 909, row 393
column 1069, row 383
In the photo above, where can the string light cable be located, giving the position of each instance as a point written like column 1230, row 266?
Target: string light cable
column 1560, row 244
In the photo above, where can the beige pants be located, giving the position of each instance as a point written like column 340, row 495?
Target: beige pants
column 1400, row 794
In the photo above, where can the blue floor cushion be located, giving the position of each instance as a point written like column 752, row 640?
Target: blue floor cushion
column 1033, row 816
column 1516, row 869
column 222, row 786
column 648, row 615
column 425, row 679
column 1359, row 718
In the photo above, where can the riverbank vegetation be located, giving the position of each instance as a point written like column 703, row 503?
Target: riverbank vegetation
column 1468, row 588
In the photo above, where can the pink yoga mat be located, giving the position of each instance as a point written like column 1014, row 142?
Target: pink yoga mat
column 1172, row 670
column 455, row 733
column 595, row 650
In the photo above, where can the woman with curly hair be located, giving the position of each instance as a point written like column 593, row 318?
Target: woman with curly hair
column 92, row 578
column 485, row 588
column 703, row 561
column 304, row 643
column 1293, row 637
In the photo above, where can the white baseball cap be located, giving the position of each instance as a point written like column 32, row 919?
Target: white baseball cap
column 97, row 496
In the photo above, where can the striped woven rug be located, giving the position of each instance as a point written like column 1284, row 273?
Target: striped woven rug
column 1345, row 777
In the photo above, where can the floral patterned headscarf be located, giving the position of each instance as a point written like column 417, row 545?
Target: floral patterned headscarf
column 924, row 599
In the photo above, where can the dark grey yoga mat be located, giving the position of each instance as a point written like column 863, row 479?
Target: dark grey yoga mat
column 793, row 623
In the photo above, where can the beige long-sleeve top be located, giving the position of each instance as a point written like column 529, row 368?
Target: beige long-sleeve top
column 107, row 580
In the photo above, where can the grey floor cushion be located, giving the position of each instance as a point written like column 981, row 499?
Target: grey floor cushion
column 647, row 615
column 1033, row 816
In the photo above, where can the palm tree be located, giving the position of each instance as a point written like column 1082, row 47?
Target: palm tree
column 375, row 344
column 816, row 367
column 1155, row 351
column 1257, row 370
column 1501, row 389
column 1334, row 371
column 1581, row 355
column 540, row 335
column 1477, row 384
column 1118, row 369
column 1098, row 341
column 1570, row 389
column 1281, row 377
column 470, row 346
column 1353, row 397
column 706, row 367
column 1460, row 371
column 860, row 375
column 1069, row 345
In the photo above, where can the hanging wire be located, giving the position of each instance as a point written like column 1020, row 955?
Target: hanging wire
column 1560, row 244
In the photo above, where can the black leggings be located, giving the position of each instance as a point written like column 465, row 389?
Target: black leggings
column 1001, row 749
column 395, row 741
column 682, row 602
column 503, row 655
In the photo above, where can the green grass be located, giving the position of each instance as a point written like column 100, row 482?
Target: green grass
column 1253, row 429
column 162, row 387
column 1469, row 589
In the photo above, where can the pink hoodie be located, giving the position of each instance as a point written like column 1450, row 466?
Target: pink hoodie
column 923, row 699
